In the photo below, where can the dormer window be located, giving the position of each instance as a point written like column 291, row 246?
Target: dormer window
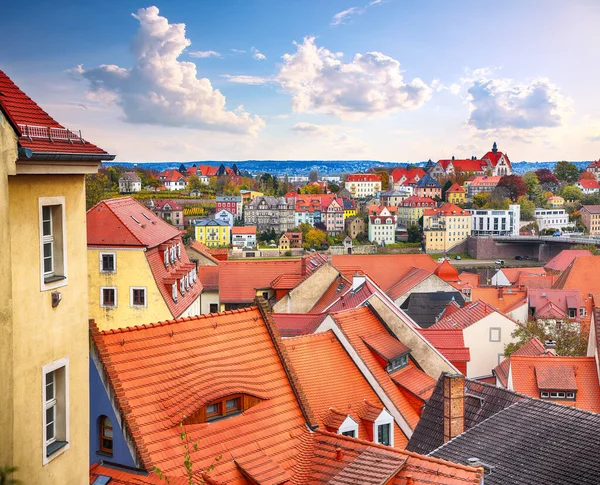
column 397, row 363
column 221, row 408
column 166, row 257
column 174, row 292
column 182, row 286
column 178, row 251
column 572, row 312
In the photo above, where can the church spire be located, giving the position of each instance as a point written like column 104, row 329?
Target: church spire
column 495, row 148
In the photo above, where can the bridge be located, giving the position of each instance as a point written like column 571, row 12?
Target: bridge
column 541, row 248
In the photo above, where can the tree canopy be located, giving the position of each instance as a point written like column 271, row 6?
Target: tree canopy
column 514, row 185
column 566, row 172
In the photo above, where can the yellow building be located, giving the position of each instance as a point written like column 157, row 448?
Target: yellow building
column 284, row 243
column 212, row 233
column 556, row 202
column 456, row 194
column 411, row 209
column 139, row 271
column 445, row 227
column 44, row 373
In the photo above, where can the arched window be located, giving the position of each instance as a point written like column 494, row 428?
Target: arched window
column 106, row 435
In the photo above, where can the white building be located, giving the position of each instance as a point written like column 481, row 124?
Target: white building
column 243, row 236
column 552, row 218
column 489, row 222
column 382, row 227
column 363, row 185
column 225, row 216
column 129, row 182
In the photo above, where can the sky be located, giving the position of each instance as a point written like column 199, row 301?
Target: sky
column 389, row 80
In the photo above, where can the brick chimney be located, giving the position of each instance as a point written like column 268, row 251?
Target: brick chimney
column 454, row 405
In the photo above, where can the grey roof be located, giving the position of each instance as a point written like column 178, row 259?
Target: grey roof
column 533, row 442
column 210, row 222
column 428, row 181
column 131, row 176
column 427, row 308
column 481, row 402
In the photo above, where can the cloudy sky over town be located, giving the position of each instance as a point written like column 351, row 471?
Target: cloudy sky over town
column 391, row 80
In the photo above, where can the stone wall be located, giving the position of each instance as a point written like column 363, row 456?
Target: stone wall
column 355, row 250
column 483, row 247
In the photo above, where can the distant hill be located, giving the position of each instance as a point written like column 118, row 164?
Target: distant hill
column 324, row 167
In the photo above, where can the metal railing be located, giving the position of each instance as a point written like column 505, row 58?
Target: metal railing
column 574, row 240
column 50, row 133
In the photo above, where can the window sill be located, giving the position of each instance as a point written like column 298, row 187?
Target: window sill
column 54, row 279
column 54, row 447
column 104, row 453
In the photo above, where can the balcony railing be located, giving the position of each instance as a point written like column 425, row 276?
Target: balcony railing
column 50, row 133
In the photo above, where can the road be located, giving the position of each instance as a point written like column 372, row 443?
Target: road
column 508, row 263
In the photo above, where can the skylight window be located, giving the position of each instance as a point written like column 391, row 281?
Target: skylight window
column 146, row 216
column 135, row 220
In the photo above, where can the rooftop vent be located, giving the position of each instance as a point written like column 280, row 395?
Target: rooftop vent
column 477, row 463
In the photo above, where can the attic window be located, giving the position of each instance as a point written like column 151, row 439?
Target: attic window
column 178, row 251
column 166, row 257
column 174, row 292
column 225, row 407
column 146, row 216
column 135, row 220
column 397, row 363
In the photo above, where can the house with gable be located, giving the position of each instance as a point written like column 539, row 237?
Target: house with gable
column 456, row 194
column 243, row 236
column 170, row 211
column 382, row 225
column 172, row 179
column 428, row 187
column 333, row 216
column 225, row 216
column 411, row 209
column 138, row 270
column 588, row 186
column 499, row 162
column 129, row 182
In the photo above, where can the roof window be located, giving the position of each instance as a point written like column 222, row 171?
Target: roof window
column 222, row 408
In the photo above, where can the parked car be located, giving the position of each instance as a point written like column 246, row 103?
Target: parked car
column 500, row 262
column 441, row 260
column 527, row 257
column 556, row 234
column 457, row 257
column 519, row 258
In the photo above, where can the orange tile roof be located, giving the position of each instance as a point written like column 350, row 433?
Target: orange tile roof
column 562, row 260
column 343, row 391
column 383, row 268
column 529, row 372
column 455, row 188
column 293, row 324
column 204, row 250
column 470, row 278
column 449, row 342
column 209, row 277
column 446, row 271
column 447, row 209
column 341, row 460
column 243, row 230
column 239, row 280
column 415, row 381
column 466, row 316
column 412, row 278
column 340, row 286
column 513, row 274
column 122, row 476
column 385, row 345
column 531, row 347
column 357, row 323
column 162, row 372
column 501, row 298
column 286, row 281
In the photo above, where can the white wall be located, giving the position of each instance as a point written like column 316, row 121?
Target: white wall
column 206, row 298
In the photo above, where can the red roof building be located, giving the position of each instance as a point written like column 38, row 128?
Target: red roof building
column 562, row 260
column 533, row 347
column 363, row 177
column 407, row 176
column 451, row 344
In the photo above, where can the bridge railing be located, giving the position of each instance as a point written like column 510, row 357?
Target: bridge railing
column 572, row 240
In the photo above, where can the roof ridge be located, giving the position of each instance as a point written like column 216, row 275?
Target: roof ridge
column 318, row 335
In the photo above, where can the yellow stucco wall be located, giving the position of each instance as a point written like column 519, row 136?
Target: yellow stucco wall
column 349, row 213
column 457, row 229
column 213, row 236
column 456, row 197
column 132, row 270
column 42, row 334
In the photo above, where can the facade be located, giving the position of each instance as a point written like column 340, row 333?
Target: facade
column 382, row 226
column 230, row 203
column 363, row 185
column 349, row 207
column 267, row 212
column 129, row 183
column 355, row 226
column 284, row 242
column 225, row 216
column 445, row 227
column 552, row 218
column 489, row 222
column 588, row 186
column 43, row 298
column 243, row 236
column 456, row 194
column 499, row 161
column 556, row 201
column 170, row 211
column 411, row 209
column 290, row 240
column 333, row 216
column 212, row 232
column 406, row 176
column 494, row 163
column 173, row 180
column 394, row 197
column 428, row 187
column 590, row 217
column 482, row 183
column 594, row 168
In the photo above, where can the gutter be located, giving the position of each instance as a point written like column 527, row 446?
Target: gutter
column 26, row 153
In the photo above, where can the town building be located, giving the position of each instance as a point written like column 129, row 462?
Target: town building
column 267, row 212
column 594, row 168
column 491, row 222
column 562, row 260
column 556, row 307
column 456, row 194
column 173, row 180
column 290, row 240
column 588, row 186
column 362, row 186
column 349, row 207
column 129, row 183
column 212, row 232
column 382, row 225
column 44, row 292
column 225, row 216
column 308, row 210
column 499, row 161
column 556, row 201
column 170, row 211
column 333, row 216
column 138, row 269
column 515, row 276
column 248, row 195
column 552, row 218
column 394, row 197
column 406, row 176
column 411, row 209
column 243, row 236
column 590, row 217
column 445, row 227
column 231, row 203
column 355, row 226
column 494, row 163
column 428, row 187
column 482, row 183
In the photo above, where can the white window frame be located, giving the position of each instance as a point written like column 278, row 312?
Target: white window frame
column 544, row 395
column 53, row 201
column 48, row 368
column 114, row 255
column 499, row 329
column 383, row 418
column 102, row 296
column 131, row 304
column 348, row 425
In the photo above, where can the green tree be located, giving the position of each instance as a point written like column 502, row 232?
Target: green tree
column 592, row 248
column 95, row 187
column 531, row 181
column 315, row 238
column 334, row 188
column 445, row 188
column 527, row 208
column 481, row 199
column 567, row 335
column 194, row 183
column 414, row 235
column 566, row 171
column 571, row 192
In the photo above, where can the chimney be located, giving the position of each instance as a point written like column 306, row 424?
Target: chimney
column 357, row 280
column 409, row 480
column 550, row 347
column 454, row 405
column 339, row 454
column 500, row 293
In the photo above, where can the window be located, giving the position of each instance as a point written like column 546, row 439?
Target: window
column 572, row 312
column 383, row 434
column 174, row 292
column 397, row 363
column 108, row 296
column 265, row 295
column 545, row 394
column 108, row 262
column 213, row 308
column 350, row 433
column 495, row 334
column 53, row 254
column 55, row 400
column 137, row 297
column 106, row 435
column 570, row 395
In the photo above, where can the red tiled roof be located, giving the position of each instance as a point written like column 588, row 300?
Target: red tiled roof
column 120, row 476
column 531, row 372
column 21, row 110
column 243, row 230
column 239, row 280
column 465, row 165
column 589, row 183
column 294, row 324
column 513, row 274
column 353, row 298
column 446, row 209
column 501, row 298
column 286, row 281
column 556, row 302
column 470, row 278
column 562, row 260
column 386, row 346
column 532, row 347
column 209, row 277
column 412, row 278
column 358, row 323
column 409, row 173
column 159, row 205
column 363, row 178
column 446, row 271
column 485, row 181
column 341, row 460
column 171, row 175
column 333, row 396
column 340, row 286
column 169, row 370
column 126, row 222
column 449, row 342
column 415, row 381
column 455, row 188
column 417, row 201
column 204, row 250
column 494, row 157
column 466, row 316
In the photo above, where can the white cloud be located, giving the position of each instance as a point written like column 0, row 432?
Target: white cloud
column 245, row 79
column 335, row 136
column 313, row 129
column 341, row 17
column 372, row 84
column 259, row 56
column 161, row 90
column 375, row 2
column 204, row 54
column 238, row 51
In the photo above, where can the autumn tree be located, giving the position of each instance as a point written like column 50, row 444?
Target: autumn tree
column 481, row 199
column 311, row 189
column 567, row 335
column 95, row 187
column 527, row 208
column 571, row 192
column 566, row 172
column 194, row 183
column 313, row 176
column 514, row 185
column 385, row 179
column 315, row 238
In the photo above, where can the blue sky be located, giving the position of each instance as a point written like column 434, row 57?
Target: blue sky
column 393, row 80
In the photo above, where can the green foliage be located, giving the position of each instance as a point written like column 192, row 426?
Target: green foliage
column 334, row 188
column 403, row 245
column 311, row 189
column 315, row 238
column 95, row 187
column 414, row 234
column 531, row 181
column 527, row 208
column 566, row 172
column 592, row 248
column 287, row 253
column 481, row 199
column 569, row 340
column 269, row 235
column 571, row 192
column 194, row 183
column 5, row 478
